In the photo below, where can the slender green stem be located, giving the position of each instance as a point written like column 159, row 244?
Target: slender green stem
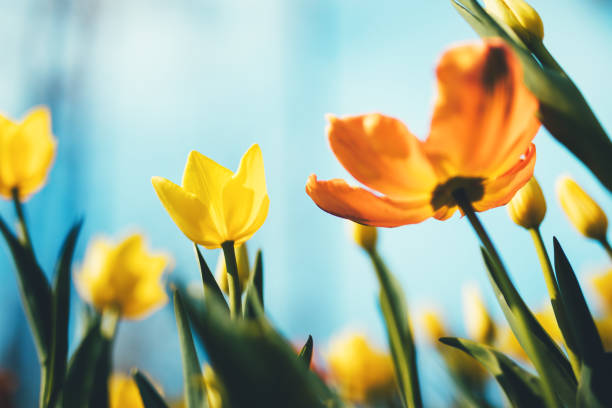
column 507, row 289
column 24, row 235
column 233, row 281
column 555, row 298
column 606, row 244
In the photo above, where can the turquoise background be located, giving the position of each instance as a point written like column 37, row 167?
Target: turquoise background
column 135, row 85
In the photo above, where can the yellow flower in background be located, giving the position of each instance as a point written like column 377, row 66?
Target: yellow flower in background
column 546, row 317
column 583, row 212
column 125, row 276
column 478, row 323
column 528, row 206
column 604, row 327
column 433, row 326
column 603, row 286
column 213, row 205
column 123, row 392
column 27, row 150
column 519, row 16
column 365, row 236
column 242, row 260
column 361, row 372
column 215, row 392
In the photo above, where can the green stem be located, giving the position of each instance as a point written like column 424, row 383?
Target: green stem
column 604, row 243
column 555, row 298
column 24, row 235
column 233, row 281
column 509, row 290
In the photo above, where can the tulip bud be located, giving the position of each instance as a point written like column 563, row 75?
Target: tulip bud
column 365, row 236
column 519, row 16
column 478, row 322
column 528, row 207
column 433, row 326
column 582, row 211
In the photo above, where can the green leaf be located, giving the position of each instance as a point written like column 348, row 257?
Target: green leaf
column 211, row 288
column 544, row 353
column 592, row 390
column 257, row 277
column 522, row 388
column 192, row 373
column 253, row 299
column 35, row 292
column 56, row 369
column 256, row 365
column 563, row 109
column 148, row 393
column 401, row 342
column 306, row 352
column 88, row 370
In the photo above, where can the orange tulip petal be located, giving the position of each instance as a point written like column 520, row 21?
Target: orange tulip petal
column 380, row 152
column 357, row 204
column 484, row 117
column 499, row 191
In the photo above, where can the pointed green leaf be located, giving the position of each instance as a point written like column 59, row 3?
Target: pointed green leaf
column 541, row 349
column 256, row 365
column 35, row 292
column 253, row 298
column 563, row 109
column 88, row 370
column 522, row 388
column 306, row 352
column 211, row 287
column 192, row 372
column 593, row 391
column 148, row 393
column 401, row 342
column 56, row 369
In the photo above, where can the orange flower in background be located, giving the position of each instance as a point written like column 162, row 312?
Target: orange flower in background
column 479, row 142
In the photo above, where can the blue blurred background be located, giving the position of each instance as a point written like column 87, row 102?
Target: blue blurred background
column 135, row 85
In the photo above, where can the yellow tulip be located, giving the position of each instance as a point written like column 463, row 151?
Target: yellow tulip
column 519, row 16
column 433, row 326
column 27, row 150
column 125, row 277
column 528, row 207
column 603, row 286
column 215, row 392
column 365, row 236
column 361, row 372
column 213, row 205
column 583, row 212
column 479, row 325
column 123, row 392
column 242, row 261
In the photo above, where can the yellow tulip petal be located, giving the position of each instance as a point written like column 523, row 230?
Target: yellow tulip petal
column 257, row 222
column 206, row 179
column 188, row 212
column 237, row 208
column 251, row 172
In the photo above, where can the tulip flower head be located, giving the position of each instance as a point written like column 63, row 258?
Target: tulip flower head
column 583, row 212
column 123, row 392
column 479, row 146
column 361, row 372
column 365, row 236
column 528, row 206
column 125, row 276
column 602, row 284
column 27, row 150
column 519, row 16
column 479, row 325
column 213, row 205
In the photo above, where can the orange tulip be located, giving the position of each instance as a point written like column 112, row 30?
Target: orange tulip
column 479, row 142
